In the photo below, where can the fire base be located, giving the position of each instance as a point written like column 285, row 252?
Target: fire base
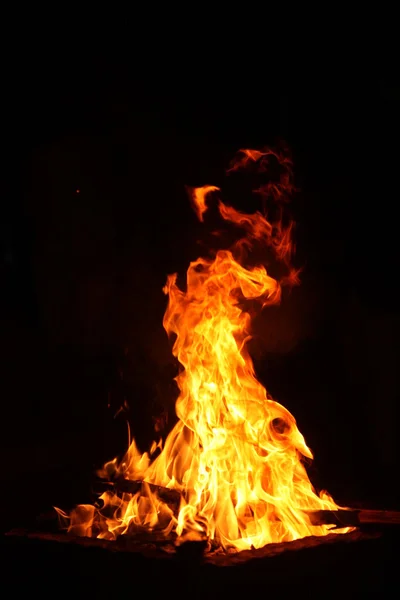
column 355, row 563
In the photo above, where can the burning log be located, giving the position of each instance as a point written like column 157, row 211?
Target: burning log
column 354, row 518
column 127, row 486
column 340, row 518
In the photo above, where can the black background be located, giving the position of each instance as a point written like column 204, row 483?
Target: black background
column 82, row 273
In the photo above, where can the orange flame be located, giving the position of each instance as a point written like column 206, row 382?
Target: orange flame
column 198, row 198
column 235, row 455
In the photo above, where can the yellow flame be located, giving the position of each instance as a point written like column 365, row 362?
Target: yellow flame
column 235, row 455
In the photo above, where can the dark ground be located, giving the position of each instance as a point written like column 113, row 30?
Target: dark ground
column 352, row 568
column 82, row 273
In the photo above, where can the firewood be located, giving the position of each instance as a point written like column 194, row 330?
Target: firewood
column 167, row 495
column 340, row 518
column 354, row 517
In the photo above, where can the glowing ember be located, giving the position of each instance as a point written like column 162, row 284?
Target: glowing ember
column 235, row 455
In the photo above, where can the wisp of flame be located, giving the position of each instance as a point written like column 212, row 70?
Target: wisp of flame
column 235, row 455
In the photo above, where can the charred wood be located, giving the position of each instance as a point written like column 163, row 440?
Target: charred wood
column 354, row 518
column 122, row 486
column 340, row 518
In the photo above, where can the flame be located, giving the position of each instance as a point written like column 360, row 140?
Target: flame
column 235, row 456
column 198, row 197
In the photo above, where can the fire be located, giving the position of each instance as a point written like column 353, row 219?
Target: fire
column 235, row 456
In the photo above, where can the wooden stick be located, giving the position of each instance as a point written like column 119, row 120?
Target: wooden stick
column 354, row 517
column 340, row 518
column 389, row 517
column 167, row 495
